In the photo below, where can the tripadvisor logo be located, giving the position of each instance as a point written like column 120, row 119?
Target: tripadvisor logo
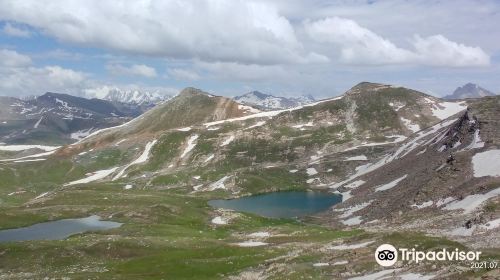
column 388, row 255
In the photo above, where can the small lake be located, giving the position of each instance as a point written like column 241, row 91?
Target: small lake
column 281, row 204
column 56, row 230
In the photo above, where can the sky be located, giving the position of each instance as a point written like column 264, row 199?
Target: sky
column 229, row 47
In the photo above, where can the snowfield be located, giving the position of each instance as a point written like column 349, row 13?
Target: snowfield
column 97, row 175
column 471, row 202
column 444, row 110
column 17, row 148
column 486, row 163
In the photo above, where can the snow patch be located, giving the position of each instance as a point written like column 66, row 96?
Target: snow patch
column 190, row 145
column 423, row 205
column 444, row 110
column 361, row 157
column 81, row 134
column 184, row 129
column 141, row 159
column 311, row 171
column 41, row 195
column 410, row 125
column 471, row 202
column 17, row 148
column 251, row 244
column 257, row 124
column 96, row 175
column 486, row 163
column 219, row 184
column 30, row 160
column 227, row 141
column 219, row 221
column 391, row 184
column 352, row 221
column 260, row 234
column 351, row 210
column 38, row 122
column 351, row 246
column 209, row 158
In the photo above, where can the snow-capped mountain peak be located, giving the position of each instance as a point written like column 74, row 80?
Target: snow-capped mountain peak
column 270, row 102
column 132, row 96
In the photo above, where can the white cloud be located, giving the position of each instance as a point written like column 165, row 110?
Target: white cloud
column 15, row 31
column 359, row 45
column 9, row 58
column 183, row 74
column 438, row 50
column 132, row 70
column 36, row 80
column 242, row 72
column 223, row 30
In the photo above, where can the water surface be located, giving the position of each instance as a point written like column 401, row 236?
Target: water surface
column 281, row 204
column 56, row 230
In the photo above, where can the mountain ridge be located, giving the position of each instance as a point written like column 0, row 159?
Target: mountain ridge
column 469, row 90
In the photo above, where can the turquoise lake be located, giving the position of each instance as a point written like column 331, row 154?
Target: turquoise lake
column 281, row 204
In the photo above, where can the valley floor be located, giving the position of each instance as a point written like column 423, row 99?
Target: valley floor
column 172, row 234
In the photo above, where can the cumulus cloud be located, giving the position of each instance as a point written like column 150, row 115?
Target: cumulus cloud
column 36, row 80
column 15, row 31
column 359, row 45
column 438, row 50
column 9, row 58
column 132, row 70
column 224, row 30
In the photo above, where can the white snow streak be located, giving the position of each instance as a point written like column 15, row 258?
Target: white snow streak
column 390, row 185
column 190, row 145
column 227, row 141
column 142, row 158
column 97, row 175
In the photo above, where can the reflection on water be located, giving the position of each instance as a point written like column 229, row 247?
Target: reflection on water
column 57, row 229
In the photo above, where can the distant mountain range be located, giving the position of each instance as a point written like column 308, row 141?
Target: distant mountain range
column 58, row 118
column 136, row 97
column 412, row 169
column 469, row 90
column 270, row 102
